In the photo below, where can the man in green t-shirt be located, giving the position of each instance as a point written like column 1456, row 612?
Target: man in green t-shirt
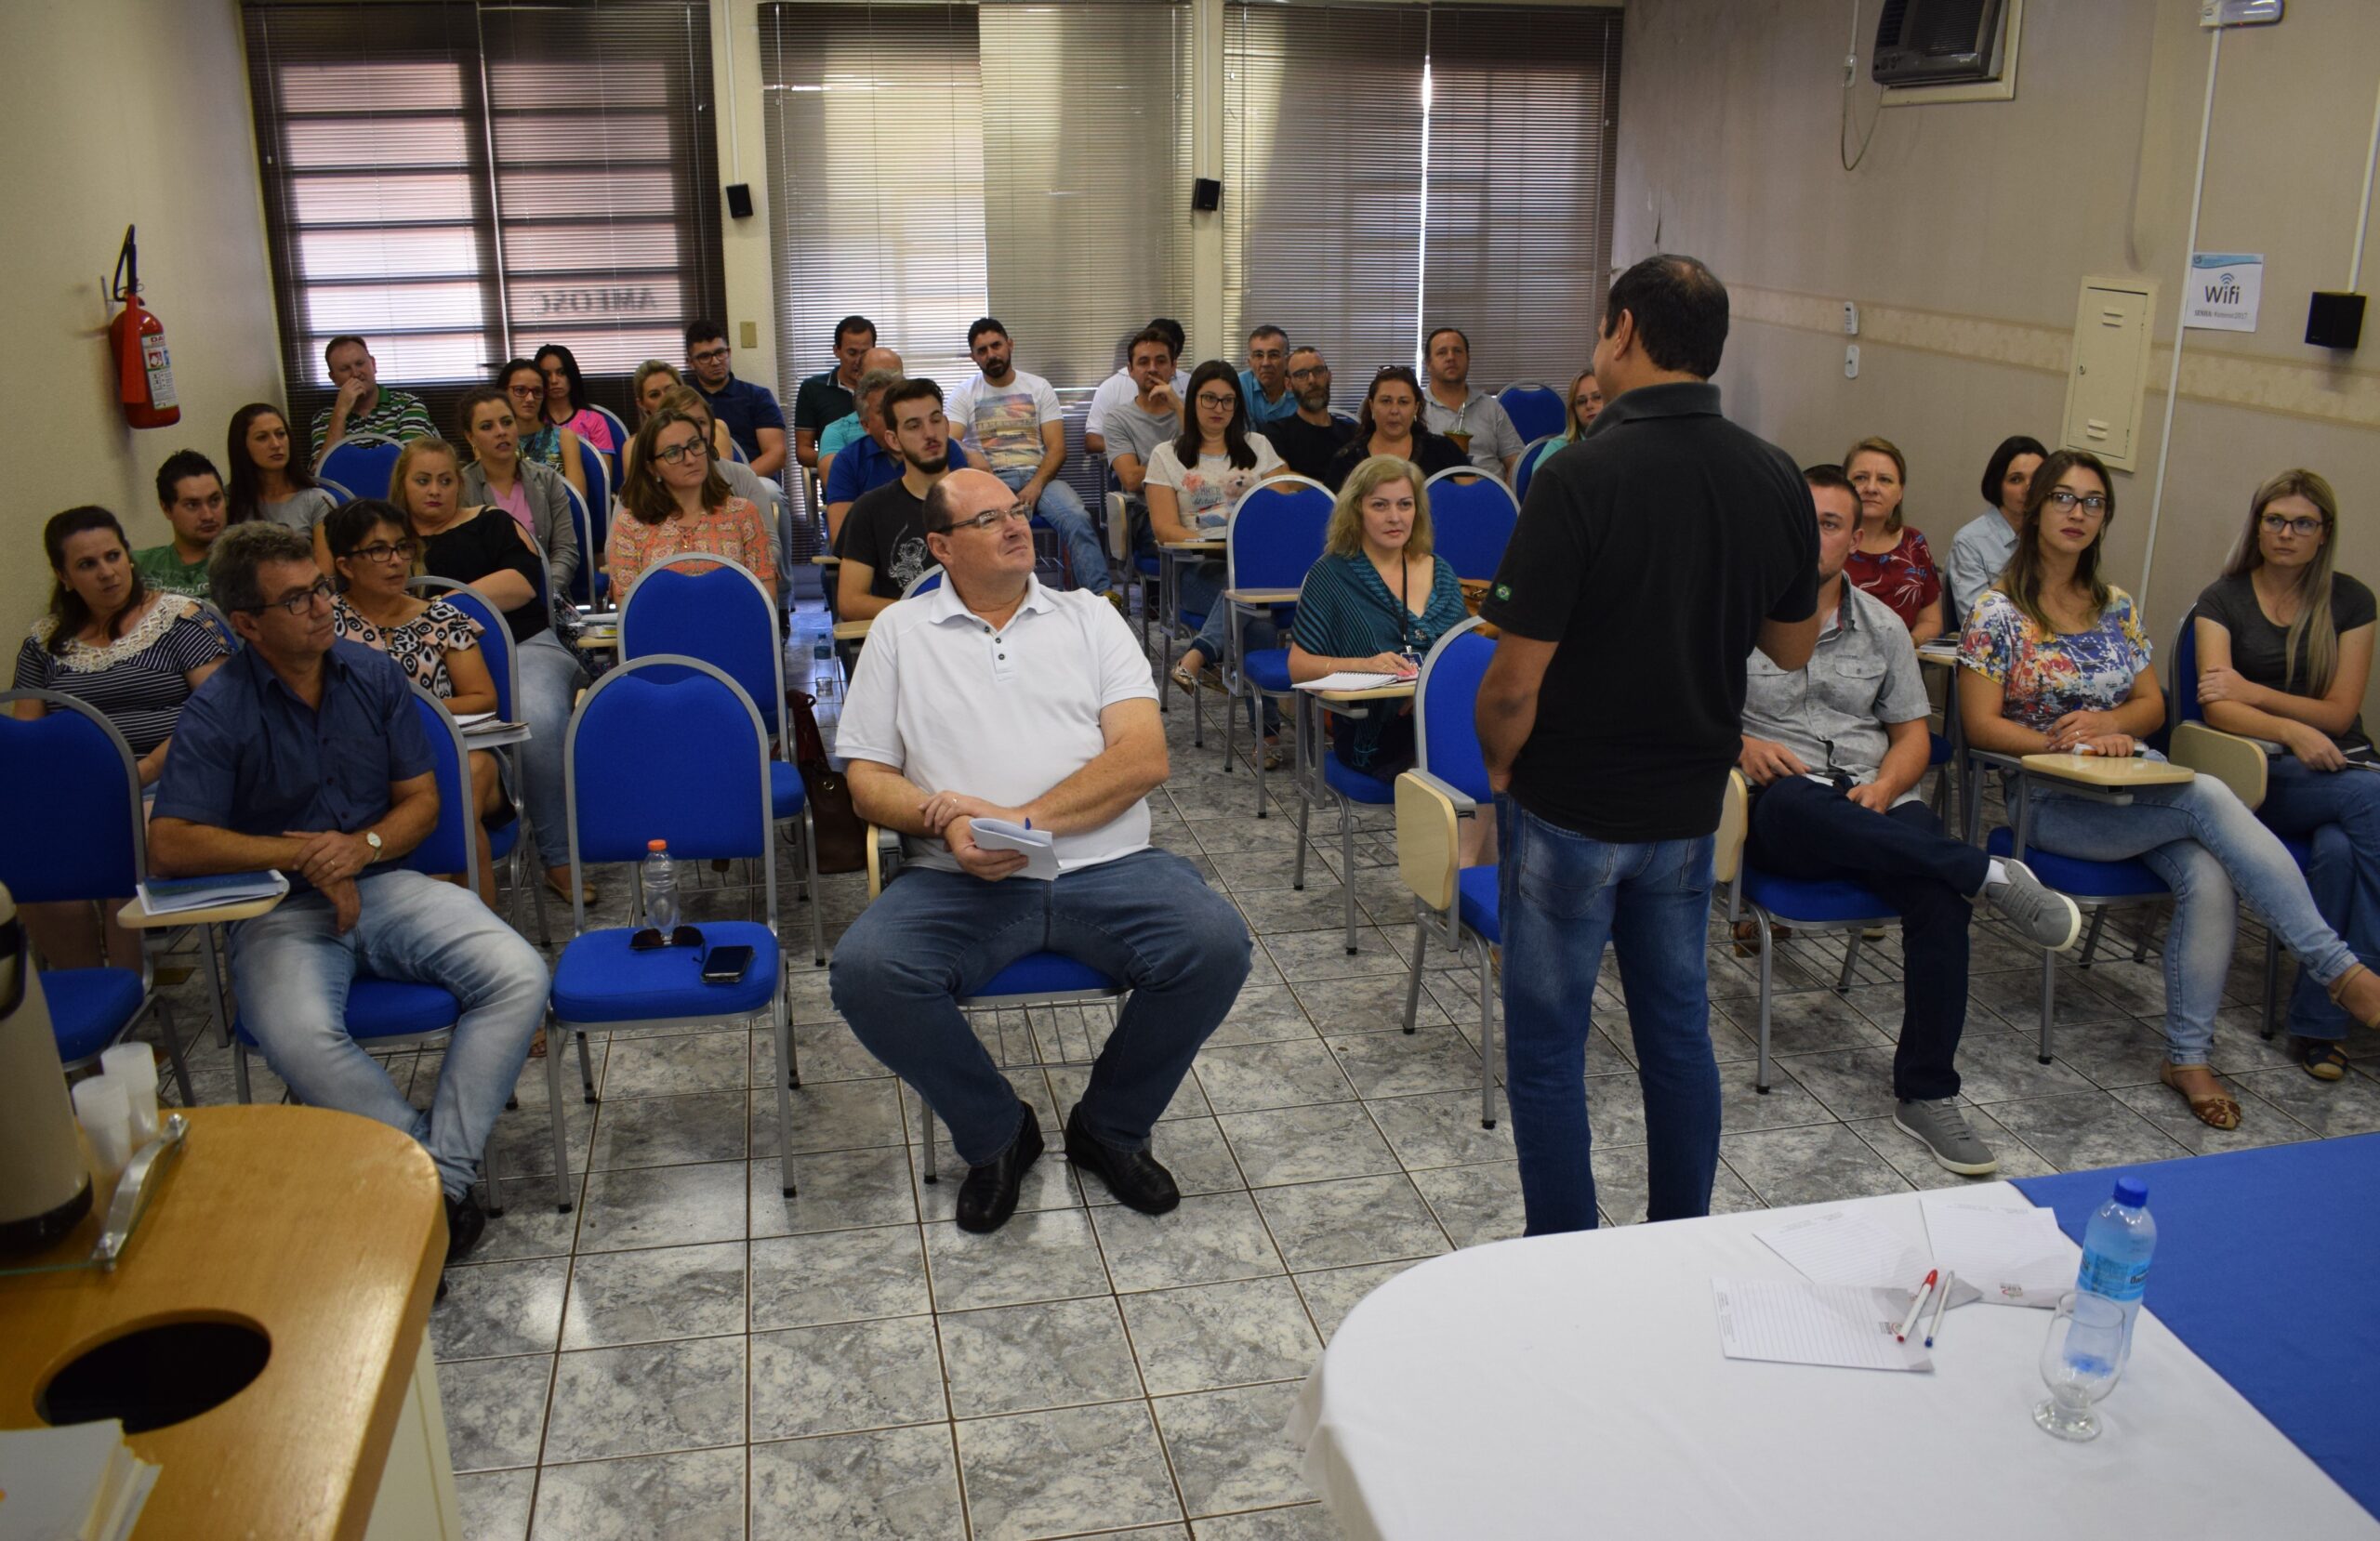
column 190, row 493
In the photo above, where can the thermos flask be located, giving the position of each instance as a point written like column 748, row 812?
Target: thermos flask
column 44, row 1189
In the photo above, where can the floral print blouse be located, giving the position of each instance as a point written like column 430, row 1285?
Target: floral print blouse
column 734, row 529
column 2047, row 675
column 419, row 647
column 1905, row 577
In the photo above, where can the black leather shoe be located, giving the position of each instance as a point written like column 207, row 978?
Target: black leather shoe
column 1136, row 1178
column 988, row 1196
column 465, row 1220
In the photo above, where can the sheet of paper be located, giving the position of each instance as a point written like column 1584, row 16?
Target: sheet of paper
column 467, row 719
column 2014, row 1256
column 1039, row 846
column 1795, row 1321
column 171, row 895
column 1844, row 1246
column 1351, row 681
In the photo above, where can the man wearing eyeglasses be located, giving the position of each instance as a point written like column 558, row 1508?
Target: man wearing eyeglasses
column 884, row 539
column 305, row 754
column 1264, row 384
column 994, row 698
column 1309, row 438
column 753, row 418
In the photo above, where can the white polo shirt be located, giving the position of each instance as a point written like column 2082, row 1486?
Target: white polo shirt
column 956, row 707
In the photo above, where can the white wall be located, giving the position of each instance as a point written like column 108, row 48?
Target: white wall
column 121, row 112
column 1966, row 232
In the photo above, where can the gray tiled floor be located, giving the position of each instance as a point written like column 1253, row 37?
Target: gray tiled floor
column 690, row 1354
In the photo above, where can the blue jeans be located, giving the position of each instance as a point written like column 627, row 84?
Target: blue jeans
column 1561, row 896
column 2338, row 814
column 1061, row 510
column 1146, row 920
column 290, row 973
column 2212, row 852
column 550, row 680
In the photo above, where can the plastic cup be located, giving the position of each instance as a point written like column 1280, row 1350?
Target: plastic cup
column 104, row 1109
column 136, row 1066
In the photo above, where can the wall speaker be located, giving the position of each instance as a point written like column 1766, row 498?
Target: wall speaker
column 2334, row 320
column 739, row 200
column 1205, row 195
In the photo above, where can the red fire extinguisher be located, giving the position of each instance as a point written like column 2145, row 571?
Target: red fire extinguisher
column 144, row 372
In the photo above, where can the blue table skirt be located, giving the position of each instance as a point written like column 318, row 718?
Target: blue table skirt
column 2267, row 1264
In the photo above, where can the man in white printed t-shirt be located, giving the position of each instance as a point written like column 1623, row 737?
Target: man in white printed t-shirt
column 1014, row 418
column 994, row 698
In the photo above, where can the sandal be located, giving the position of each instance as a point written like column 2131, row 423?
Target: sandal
column 2217, row 1110
column 2319, row 1057
column 1747, row 937
column 2364, row 985
column 1277, row 754
column 1189, row 684
column 537, row 1045
column 587, row 894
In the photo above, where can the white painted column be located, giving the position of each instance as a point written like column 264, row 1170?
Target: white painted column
column 1206, row 318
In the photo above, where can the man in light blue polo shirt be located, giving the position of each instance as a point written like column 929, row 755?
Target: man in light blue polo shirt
column 1264, row 384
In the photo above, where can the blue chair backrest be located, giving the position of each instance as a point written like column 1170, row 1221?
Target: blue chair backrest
column 735, row 451
column 1446, row 740
column 1527, row 473
column 667, row 749
column 924, row 583
column 599, row 480
column 338, row 493
column 621, row 433
column 75, row 828
column 722, row 617
column 1536, row 410
column 1274, row 534
column 496, row 641
column 1473, row 521
column 591, row 547
column 367, row 468
column 449, row 846
column 2181, row 689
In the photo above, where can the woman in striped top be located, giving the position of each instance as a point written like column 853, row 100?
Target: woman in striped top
column 1378, row 600
column 133, row 652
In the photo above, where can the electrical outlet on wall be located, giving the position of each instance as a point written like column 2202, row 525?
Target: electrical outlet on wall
column 1851, row 362
column 1850, row 318
column 2238, row 13
column 749, row 334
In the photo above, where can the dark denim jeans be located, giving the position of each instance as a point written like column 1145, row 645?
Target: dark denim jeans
column 1147, row 919
column 1562, row 895
column 2338, row 813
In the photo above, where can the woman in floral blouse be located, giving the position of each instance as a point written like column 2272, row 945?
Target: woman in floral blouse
column 2055, row 659
column 676, row 501
column 1892, row 561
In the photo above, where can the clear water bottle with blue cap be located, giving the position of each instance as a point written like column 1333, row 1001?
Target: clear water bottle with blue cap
column 2116, row 1248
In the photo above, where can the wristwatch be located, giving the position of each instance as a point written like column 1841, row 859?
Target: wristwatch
column 372, row 838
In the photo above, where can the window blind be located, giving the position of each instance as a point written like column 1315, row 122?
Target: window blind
column 459, row 183
column 874, row 127
column 1322, row 157
column 1524, row 110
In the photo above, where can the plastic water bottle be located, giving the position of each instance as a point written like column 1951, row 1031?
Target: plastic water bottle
column 660, row 886
column 2116, row 1248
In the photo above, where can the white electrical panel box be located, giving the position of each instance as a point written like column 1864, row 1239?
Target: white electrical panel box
column 2109, row 369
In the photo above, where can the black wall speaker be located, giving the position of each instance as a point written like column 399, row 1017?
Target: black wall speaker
column 2334, row 320
column 739, row 200
column 1205, row 195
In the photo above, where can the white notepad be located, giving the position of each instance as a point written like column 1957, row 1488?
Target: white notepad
column 2015, row 1256
column 1039, row 846
column 1350, row 681
column 1795, row 1321
column 1844, row 1246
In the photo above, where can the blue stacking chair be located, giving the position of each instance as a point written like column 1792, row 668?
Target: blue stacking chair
column 1042, row 979
column 338, row 493
column 924, row 583
column 621, row 434
column 1537, row 409
column 389, row 1014
column 1131, row 567
column 506, row 843
column 1274, row 535
column 1447, row 784
column 723, row 617
column 1472, row 514
column 1346, row 787
column 79, row 836
column 1804, row 903
column 593, row 466
column 669, row 747
column 1526, row 471
column 590, row 586
column 369, row 464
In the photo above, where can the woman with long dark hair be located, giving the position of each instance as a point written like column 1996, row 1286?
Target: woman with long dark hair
column 546, row 443
column 1389, row 423
column 1986, row 542
column 566, row 404
column 133, row 652
column 270, row 478
column 677, row 501
column 2055, row 659
column 501, row 477
column 2285, row 652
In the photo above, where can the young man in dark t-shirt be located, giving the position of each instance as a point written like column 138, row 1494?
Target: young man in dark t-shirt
column 884, row 539
column 1650, row 559
column 1308, row 438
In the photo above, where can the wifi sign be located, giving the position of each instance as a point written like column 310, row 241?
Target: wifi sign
column 2223, row 290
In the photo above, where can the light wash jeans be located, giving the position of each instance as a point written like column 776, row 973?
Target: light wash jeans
column 290, row 973
column 550, row 680
column 1061, row 510
column 1560, row 896
column 2213, row 853
column 2337, row 812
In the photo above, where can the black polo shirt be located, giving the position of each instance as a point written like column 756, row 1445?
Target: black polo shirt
column 819, row 400
column 1305, row 448
column 1650, row 552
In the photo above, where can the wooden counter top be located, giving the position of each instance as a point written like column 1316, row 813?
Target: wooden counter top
column 324, row 1229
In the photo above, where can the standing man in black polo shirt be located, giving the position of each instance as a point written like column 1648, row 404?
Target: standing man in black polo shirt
column 828, row 395
column 1652, row 559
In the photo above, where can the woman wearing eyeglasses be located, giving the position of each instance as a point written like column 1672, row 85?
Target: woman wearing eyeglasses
column 436, row 645
column 498, row 477
column 545, row 444
column 2054, row 658
column 1586, row 406
column 482, row 545
column 676, row 500
column 2285, row 652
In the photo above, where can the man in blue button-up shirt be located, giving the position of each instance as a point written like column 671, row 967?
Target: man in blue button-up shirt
column 305, row 754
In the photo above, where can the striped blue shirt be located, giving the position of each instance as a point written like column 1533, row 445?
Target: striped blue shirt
column 1346, row 611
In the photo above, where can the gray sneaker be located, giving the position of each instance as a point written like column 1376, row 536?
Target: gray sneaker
column 2042, row 917
column 1942, row 1129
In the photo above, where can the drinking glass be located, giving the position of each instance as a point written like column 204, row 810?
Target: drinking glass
column 2080, row 1362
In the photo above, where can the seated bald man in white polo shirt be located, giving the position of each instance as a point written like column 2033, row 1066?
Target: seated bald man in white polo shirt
column 993, row 697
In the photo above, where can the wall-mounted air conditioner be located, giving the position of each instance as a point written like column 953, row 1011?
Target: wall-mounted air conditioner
column 1938, row 42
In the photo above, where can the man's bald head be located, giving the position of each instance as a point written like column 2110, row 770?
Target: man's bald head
column 963, row 495
column 880, row 358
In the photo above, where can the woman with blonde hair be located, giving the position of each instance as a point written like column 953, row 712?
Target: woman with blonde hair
column 1377, row 601
column 2285, row 652
column 1890, row 559
column 1586, row 406
column 675, row 501
column 2055, row 659
column 653, row 379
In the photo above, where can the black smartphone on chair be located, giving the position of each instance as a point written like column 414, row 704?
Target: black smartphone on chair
column 726, row 965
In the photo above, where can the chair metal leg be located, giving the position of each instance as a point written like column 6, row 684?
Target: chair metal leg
column 586, row 1067
column 1413, row 979
column 181, row 1070
column 1850, row 957
column 240, row 1071
column 809, row 876
column 1231, row 701
column 2147, row 935
column 2049, row 998
column 780, row 1019
column 1768, row 977
column 535, row 884
column 1347, row 863
column 925, row 1121
column 2091, row 941
column 492, row 1175
column 215, row 988
column 1487, row 1033
column 553, row 1111
column 2272, row 986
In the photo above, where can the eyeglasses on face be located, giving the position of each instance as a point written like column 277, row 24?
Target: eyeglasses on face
column 988, row 518
column 383, row 551
column 1216, row 402
column 650, row 939
column 301, row 602
column 1309, row 371
column 2065, row 501
column 677, row 453
column 710, row 355
column 2277, row 523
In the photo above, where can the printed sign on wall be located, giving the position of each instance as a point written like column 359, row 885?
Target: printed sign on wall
column 2223, row 293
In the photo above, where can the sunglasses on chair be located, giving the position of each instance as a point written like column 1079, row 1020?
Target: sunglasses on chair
column 651, row 939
